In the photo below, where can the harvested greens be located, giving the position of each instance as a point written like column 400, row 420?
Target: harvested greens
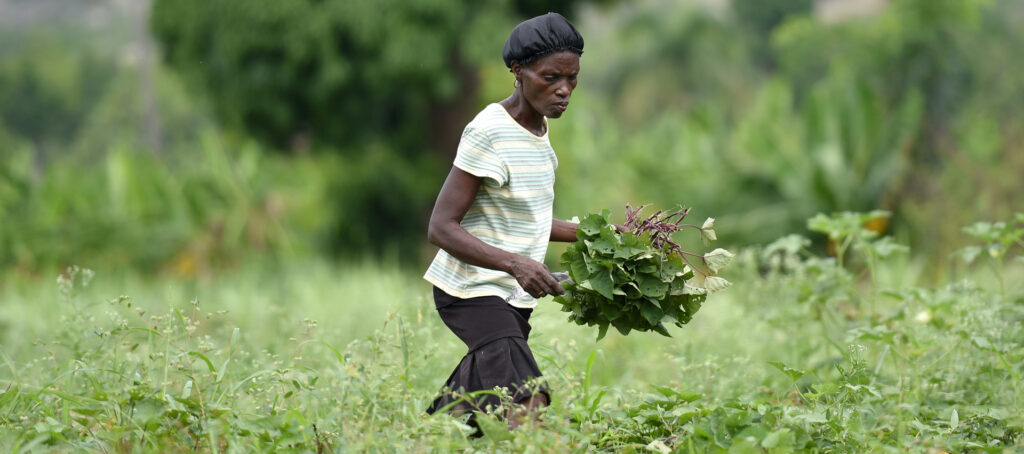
column 640, row 279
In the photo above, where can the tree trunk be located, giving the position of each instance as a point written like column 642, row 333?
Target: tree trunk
column 449, row 118
column 152, row 129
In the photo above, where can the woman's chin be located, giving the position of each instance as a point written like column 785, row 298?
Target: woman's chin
column 555, row 113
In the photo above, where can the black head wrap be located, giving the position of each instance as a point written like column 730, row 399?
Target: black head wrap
column 542, row 35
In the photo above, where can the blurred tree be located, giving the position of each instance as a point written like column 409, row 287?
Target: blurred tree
column 46, row 91
column 759, row 19
column 915, row 46
column 761, row 16
column 340, row 72
column 666, row 58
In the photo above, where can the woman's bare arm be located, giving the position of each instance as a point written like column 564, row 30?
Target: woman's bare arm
column 563, row 231
column 446, row 232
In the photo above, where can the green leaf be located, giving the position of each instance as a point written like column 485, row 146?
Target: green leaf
column 593, row 264
column 708, row 235
column 982, row 343
column 885, row 247
column 879, row 333
column 591, row 225
column 717, row 260
column 578, row 267
column 660, row 329
column 793, row 374
column 610, row 234
column 148, row 409
column 652, row 286
column 648, row 267
column 601, row 281
column 969, row 254
column 789, row 244
column 492, row 428
column 602, row 330
column 691, row 290
column 782, row 438
column 632, row 291
column 673, row 267
column 954, row 420
column 206, row 360
column 604, row 247
column 745, row 445
column 628, row 252
column 715, row 284
column 611, row 310
column 651, row 313
column 621, row 274
column 623, row 328
column 985, row 231
column 629, row 239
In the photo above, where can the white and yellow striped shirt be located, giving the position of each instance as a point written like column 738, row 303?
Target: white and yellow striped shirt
column 511, row 211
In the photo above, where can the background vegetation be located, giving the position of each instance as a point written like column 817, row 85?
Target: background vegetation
column 278, row 161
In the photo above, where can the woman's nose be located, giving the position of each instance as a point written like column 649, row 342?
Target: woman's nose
column 564, row 89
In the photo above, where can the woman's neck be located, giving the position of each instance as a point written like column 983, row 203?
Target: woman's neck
column 523, row 113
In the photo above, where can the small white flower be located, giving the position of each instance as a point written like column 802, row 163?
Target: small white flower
column 923, row 317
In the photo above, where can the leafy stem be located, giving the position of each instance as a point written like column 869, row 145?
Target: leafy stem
column 692, row 266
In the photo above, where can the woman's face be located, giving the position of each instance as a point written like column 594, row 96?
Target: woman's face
column 548, row 82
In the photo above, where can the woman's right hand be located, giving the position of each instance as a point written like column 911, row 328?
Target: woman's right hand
column 534, row 277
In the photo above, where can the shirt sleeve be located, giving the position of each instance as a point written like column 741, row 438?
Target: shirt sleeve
column 476, row 155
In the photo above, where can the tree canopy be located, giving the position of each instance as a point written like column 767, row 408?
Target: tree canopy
column 339, row 72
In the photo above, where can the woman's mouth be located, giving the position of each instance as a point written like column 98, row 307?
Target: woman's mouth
column 561, row 106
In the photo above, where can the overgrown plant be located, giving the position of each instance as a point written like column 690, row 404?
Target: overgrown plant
column 997, row 239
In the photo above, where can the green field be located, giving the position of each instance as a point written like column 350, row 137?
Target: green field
column 800, row 354
column 214, row 216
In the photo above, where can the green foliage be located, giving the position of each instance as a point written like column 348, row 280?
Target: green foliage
column 631, row 280
column 998, row 241
column 47, row 90
column 762, row 110
column 379, row 202
column 763, row 16
column 846, row 228
column 881, row 111
column 220, row 203
column 914, row 48
column 997, row 238
column 936, row 369
column 339, row 72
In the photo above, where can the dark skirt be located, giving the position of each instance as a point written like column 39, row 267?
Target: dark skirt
column 495, row 334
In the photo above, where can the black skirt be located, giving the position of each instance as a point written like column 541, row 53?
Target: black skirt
column 495, row 334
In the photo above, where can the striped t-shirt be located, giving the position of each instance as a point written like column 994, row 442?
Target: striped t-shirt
column 512, row 209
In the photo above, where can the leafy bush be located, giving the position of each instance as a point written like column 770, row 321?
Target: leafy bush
column 934, row 369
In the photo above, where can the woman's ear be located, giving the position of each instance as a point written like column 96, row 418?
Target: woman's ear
column 516, row 70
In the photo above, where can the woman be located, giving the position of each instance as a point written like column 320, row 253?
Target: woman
column 492, row 221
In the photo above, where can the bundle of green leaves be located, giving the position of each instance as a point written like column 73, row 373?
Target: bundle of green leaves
column 638, row 279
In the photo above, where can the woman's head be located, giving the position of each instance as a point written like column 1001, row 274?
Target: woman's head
column 544, row 54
